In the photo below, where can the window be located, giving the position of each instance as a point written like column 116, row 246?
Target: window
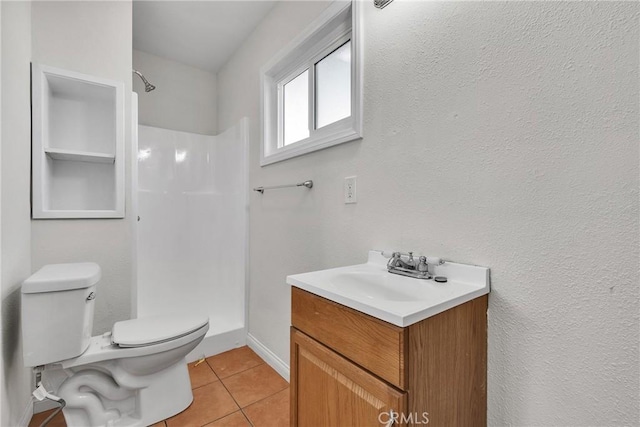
column 295, row 109
column 311, row 91
column 333, row 86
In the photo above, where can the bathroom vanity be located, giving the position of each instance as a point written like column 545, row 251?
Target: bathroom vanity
column 371, row 348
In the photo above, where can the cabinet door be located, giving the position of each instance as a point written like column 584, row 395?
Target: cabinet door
column 329, row 390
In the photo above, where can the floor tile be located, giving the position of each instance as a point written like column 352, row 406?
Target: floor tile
column 272, row 411
column 201, row 375
column 210, row 402
column 233, row 361
column 254, row 384
column 57, row 421
column 237, row 419
column 160, row 424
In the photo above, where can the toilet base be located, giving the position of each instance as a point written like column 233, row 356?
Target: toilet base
column 95, row 398
column 167, row 396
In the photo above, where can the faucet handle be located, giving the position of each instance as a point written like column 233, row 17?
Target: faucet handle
column 393, row 260
column 434, row 260
column 422, row 264
column 387, row 254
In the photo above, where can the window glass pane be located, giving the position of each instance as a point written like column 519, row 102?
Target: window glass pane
column 333, row 86
column 296, row 109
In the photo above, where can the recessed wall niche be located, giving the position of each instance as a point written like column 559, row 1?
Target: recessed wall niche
column 77, row 145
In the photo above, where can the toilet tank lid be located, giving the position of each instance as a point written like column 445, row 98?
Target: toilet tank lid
column 155, row 329
column 62, row 277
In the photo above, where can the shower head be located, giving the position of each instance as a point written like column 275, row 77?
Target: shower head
column 148, row 87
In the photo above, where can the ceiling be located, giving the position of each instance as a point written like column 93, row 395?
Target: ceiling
column 203, row 34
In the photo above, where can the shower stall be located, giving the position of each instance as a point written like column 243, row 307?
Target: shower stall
column 191, row 245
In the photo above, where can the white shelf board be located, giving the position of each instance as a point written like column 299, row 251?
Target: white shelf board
column 79, row 156
column 77, row 119
column 76, row 214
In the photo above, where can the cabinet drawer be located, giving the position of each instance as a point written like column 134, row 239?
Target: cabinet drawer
column 373, row 344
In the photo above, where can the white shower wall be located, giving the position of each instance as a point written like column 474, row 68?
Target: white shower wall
column 192, row 205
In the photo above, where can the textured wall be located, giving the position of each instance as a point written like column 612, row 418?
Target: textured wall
column 16, row 214
column 502, row 134
column 282, row 240
column 184, row 98
column 92, row 38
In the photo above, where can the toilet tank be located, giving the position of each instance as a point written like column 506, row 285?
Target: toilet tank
column 57, row 312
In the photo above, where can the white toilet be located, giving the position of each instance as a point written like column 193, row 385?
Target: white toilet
column 135, row 375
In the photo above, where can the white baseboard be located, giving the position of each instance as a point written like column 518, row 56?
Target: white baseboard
column 26, row 415
column 268, row 356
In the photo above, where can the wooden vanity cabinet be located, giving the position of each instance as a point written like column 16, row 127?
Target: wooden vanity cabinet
column 347, row 367
column 333, row 391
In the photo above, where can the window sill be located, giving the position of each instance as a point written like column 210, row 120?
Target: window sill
column 307, row 146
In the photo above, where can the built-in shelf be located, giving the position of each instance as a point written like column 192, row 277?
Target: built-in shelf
column 78, row 145
column 79, row 156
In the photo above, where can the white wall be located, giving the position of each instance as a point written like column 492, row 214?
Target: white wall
column 500, row 134
column 3, row 388
column 184, row 98
column 92, row 38
column 16, row 227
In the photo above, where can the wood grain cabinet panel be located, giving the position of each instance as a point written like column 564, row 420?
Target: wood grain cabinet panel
column 329, row 390
column 367, row 341
column 347, row 366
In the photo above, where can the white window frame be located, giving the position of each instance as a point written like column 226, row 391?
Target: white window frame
column 338, row 24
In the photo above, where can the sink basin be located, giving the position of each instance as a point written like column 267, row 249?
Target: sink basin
column 399, row 300
column 378, row 286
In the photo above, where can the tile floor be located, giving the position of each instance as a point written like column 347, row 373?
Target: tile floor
column 236, row 388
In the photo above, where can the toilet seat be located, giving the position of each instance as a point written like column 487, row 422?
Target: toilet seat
column 155, row 329
column 102, row 349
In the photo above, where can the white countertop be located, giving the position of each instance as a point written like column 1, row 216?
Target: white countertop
column 402, row 301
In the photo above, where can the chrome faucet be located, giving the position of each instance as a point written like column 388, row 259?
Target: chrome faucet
column 410, row 264
column 410, row 268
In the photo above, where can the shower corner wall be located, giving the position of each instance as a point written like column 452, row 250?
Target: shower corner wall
column 191, row 238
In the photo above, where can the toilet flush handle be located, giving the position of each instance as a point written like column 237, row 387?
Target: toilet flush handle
column 91, row 296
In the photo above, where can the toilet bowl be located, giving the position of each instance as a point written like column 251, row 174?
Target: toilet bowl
column 135, row 375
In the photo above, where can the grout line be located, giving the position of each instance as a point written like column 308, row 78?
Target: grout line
column 266, row 397
column 262, row 362
column 259, row 400
column 252, row 403
column 240, row 408
column 219, row 418
column 246, row 418
column 228, row 415
column 228, row 391
column 211, row 367
column 244, row 370
column 211, row 382
column 204, row 385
